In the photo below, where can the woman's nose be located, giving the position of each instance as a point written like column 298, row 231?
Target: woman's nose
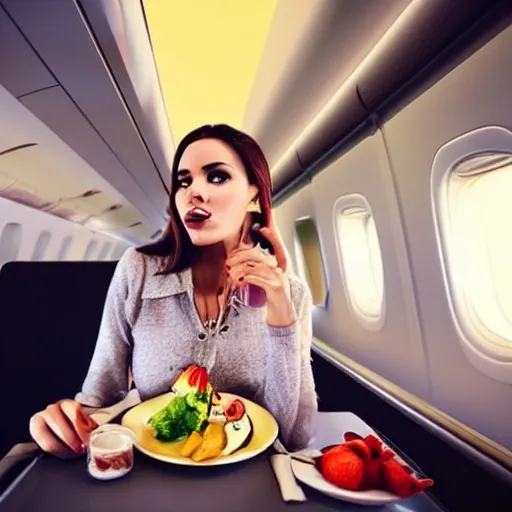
column 197, row 191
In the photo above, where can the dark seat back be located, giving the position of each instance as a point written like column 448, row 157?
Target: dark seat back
column 50, row 314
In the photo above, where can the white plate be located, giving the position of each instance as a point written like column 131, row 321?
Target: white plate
column 331, row 430
column 265, row 430
column 309, row 475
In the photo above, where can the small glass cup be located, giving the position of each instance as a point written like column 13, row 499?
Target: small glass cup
column 110, row 452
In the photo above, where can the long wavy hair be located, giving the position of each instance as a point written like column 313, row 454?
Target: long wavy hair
column 175, row 244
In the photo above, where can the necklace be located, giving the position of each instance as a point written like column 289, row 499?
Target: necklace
column 205, row 346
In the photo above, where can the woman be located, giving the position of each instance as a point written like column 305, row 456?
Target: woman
column 178, row 301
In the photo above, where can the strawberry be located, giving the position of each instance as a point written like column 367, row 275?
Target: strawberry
column 362, row 464
column 372, row 472
column 192, row 379
column 343, row 465
column 400, row 480
column 203, row 380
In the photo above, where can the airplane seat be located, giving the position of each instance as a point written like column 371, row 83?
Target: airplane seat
column 50, row 314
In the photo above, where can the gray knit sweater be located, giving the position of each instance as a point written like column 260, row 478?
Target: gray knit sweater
column 151, row 324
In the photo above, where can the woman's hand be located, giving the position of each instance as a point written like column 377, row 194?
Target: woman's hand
column 251, row 265
column 62, row 429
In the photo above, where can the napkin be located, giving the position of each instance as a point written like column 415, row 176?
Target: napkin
column 282, row 466
column 101, row 416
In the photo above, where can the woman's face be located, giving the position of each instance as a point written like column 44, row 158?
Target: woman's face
column 213, row 192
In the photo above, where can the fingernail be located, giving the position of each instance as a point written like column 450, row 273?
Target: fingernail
column 78, row 449
column 256, row 227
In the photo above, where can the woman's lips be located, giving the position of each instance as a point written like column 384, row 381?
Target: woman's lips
column 196, row 218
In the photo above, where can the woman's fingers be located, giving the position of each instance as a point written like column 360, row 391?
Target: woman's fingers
column 82, row 423
column 62, row 428
column 256, row 273
column 46, row 439
column 280, row 310
column 268, row 283
column 270, row 233
column 253, row 254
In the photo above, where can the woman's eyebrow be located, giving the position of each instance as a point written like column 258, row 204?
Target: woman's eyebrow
column 209, row 167
column 206, row 167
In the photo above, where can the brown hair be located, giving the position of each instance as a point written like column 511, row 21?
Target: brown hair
column 175, row 244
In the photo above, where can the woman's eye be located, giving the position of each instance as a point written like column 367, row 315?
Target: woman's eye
column 218, row 177
column 183, row 183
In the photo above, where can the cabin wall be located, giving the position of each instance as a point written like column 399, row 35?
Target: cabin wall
column 415, row 344
column 27, row 234
column 474, row 95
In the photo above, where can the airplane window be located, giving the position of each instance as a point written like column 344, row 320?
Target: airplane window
column 10, row 242
column 309, row 259
column 64, row 248
column 360, row 259
column 107, row 246
column 89, row 252
column 43, row 240
column 472, row 209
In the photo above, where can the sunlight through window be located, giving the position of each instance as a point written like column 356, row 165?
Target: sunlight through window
column 473, row 208
column 360, row 259
column 10, row 242
column 42, row 243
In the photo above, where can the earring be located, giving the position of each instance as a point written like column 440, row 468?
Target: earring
column 254, row 206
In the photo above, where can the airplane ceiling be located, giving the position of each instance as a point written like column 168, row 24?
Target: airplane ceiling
column 122, row 82
column 266, row 66
column 207, row 55
column 312, row 48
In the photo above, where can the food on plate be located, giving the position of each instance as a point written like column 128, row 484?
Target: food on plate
column 229, row 429
column 373, row 458
column 238, row 433
column 211, row 428
column 193, row 442
column 213, row 442
column 364, row 464
column 401, row 480
column 188, row 411
column 235, row 411
column 343, row 465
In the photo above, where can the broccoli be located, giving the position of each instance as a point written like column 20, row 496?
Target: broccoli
column 181, row 417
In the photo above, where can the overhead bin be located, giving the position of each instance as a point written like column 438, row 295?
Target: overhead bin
column 39, row 170
column 343, row 114
column 425, row 30
column 84, row 100
column 124, row 41
column 422, row 32
column 21, row 70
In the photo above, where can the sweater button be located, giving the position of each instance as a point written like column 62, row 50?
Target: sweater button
column 201, row 336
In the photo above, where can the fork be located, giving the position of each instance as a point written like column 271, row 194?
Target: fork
column 300, row 456
column 106, row 414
